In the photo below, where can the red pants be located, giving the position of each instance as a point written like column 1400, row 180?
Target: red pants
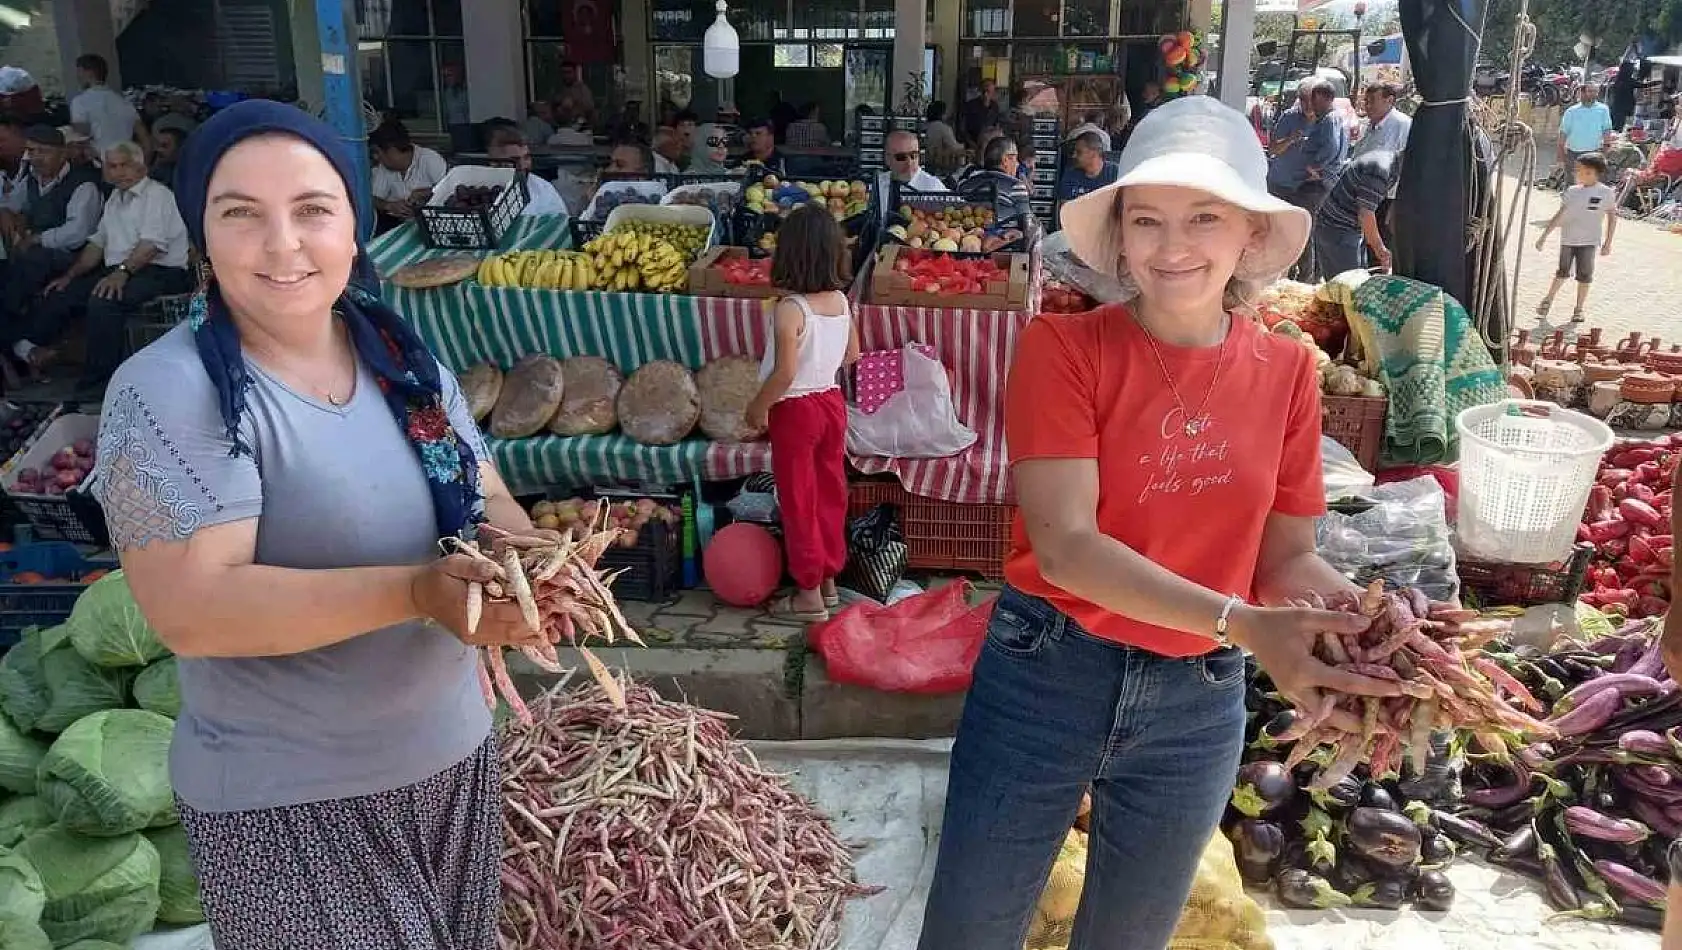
column 808, row 461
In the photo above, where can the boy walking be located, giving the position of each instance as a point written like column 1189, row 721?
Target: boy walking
column 1581, row 210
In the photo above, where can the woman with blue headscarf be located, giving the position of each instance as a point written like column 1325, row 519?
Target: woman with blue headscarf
column 276, row 474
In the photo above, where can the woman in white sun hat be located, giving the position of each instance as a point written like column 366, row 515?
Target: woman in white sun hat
column 1166, row 453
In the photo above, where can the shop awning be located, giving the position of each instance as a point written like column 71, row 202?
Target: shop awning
column 1443, row 176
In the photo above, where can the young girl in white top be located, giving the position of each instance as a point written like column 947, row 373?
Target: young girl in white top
column 812, row 338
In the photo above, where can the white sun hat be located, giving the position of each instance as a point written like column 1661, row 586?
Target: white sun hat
column 1192, row 142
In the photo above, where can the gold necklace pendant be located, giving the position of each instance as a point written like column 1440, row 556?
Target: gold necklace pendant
column 1192, row 428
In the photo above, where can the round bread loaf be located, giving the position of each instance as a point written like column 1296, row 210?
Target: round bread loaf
column 659, row 404
column 481, row 384
column 531, row 392
column 587, row 407
column 727, row 385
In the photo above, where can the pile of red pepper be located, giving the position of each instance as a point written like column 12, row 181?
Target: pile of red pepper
column 1628, row 522
column 746, row 270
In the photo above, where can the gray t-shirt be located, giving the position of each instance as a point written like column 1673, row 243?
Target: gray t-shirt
column 331, row 487
column 1585, row 210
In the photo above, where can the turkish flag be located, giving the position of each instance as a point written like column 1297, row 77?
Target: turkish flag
column 587, row 28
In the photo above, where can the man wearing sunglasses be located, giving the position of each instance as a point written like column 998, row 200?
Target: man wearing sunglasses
column 905, row 167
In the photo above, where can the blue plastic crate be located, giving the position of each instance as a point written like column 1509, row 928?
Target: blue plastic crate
column 44, row 605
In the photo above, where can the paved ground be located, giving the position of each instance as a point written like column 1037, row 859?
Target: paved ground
column 1638, row 288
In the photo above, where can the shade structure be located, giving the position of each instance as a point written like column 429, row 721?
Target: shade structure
column 1444, row 205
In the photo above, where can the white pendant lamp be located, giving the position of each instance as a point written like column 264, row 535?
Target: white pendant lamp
column 721, row 50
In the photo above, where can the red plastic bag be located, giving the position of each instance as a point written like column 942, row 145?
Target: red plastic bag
column 923, row 644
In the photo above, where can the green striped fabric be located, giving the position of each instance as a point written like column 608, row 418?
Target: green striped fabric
column 551, row 460
column 442, row 315
column 625, row 329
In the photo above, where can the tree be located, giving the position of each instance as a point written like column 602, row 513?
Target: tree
column 1560, row 22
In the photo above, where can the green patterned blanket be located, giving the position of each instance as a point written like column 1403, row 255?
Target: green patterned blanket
column 1432, row 361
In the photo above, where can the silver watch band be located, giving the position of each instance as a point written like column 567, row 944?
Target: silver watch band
column 1233, row 602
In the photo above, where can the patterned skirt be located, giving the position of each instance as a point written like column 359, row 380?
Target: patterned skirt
column 415, row 868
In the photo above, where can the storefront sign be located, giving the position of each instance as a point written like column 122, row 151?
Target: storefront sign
column 1276, row 6
column 587, row 26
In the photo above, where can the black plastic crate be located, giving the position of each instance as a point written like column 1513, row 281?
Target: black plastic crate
column 1494, row 583
column 653, row 570
column 43, row 604
column 455, row 229
column 73, row 516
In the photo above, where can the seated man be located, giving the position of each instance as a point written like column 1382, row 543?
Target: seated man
column 166, row 149
column 508, row 145
column 138, row 253
column 53, row 212
column 403, row 174
column 630, row 158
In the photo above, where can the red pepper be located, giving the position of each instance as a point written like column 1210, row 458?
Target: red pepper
column 1600, row 504
column 1603, row 531
column 1604, row 577
column 1649, row 607
column 1583, row 532
column 1640, row 551
column 1628, row 570
column 1621, row 597
column 1630, row 458
column 1649, row 472
column 1615, row 548
column 1644, row 494
column 1636, row 511
column 1592, row 598
column 1658, row 541
column 1613, row 477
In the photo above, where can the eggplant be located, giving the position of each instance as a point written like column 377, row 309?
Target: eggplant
column 1642, row 916
column 1590, row 715
column 1436, row 848
column 1628, row 882
column 1467, row 834
column 1515, row 815
column 1584, row 822
column 1386, row 838
column 1375, row 795
column 1346, row 794
column 1515, row 780
column 1626, row 685
column 1519, row 844
column 1644, row 742
column 1257, row 844
column 1304, row 891
column 1350, row 874
column 1384, row 895
column 1263, row 788
column 1432, row 890
column 1561, row 893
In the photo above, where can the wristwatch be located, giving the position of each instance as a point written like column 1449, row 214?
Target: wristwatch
column 124, row 268
column 1224, row 620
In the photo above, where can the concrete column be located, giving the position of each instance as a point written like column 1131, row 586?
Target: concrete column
column 948, row 26
column 306, row 53
column 639, row 54
column 910, row 36
column 84, row 26
column 496, row 59
column 1238, row 38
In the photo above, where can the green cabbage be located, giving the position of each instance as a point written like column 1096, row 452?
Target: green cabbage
column 21, row 817
column 93, row 945
column 24, row 935
column 97, row 888
column 23, row 688
column 21, row 894
column 107, row 628
column 178, row 886
column 108, row 774
column 75, row 687
column 20, row 756
column 159, row 689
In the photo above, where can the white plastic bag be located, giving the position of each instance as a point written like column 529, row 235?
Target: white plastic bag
column 919, row 421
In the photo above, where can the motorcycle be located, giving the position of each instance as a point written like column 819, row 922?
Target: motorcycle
column 1556, row 87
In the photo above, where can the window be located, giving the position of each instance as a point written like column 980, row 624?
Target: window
column 403, row 48
column 987, row 18
column 546, row 51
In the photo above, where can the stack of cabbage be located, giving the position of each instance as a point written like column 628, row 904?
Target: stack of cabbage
column 91, row 851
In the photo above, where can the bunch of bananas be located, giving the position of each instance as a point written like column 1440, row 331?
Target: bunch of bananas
column 539, row 270
column 687, row 239
column 633, row 259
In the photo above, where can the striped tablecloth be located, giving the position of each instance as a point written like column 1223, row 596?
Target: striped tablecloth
column 441, row 315
column 975, row 346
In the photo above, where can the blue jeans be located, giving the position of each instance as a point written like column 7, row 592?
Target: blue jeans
column 1052, row 711
column 1337, row 250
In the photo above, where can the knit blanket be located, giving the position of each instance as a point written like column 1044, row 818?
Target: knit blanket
column 1421, row 344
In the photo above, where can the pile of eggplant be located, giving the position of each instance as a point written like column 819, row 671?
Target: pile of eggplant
column 1365, row 841
column 1593, row 812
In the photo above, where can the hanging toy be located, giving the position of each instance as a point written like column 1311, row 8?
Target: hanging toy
column 1183, row 57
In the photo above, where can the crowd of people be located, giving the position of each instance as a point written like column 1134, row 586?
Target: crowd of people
column 88, row 225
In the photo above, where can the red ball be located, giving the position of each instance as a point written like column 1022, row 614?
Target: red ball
column 743, row 564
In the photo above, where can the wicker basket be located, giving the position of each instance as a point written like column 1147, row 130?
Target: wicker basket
column 1356, row 423
column 1649, row 389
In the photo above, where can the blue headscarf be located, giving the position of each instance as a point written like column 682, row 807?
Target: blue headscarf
column 407, row 372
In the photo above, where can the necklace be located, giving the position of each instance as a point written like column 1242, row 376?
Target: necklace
column 1193, row 424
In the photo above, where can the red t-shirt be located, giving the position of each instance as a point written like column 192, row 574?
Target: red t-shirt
column 1087, row 386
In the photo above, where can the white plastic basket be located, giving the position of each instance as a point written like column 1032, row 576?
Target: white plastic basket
column 1525, row 473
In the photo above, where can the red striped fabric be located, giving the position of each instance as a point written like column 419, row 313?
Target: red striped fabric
column 974, row 345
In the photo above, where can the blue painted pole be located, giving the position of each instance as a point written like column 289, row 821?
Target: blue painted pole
column 340, row 89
